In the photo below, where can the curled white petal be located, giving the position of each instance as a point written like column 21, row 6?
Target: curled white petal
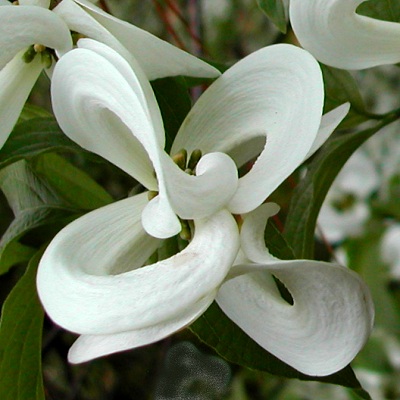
column 113, row 112
column 16, row 81
column 96, row 94
column 190, row 197
column 90, row 282
column 268, row 105
column 22, row 26
column 329, row 321
column 87, row 347
column 336, row 35
column 128, row 40
column 323, row 330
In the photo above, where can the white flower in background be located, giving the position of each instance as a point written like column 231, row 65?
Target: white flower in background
column 346, row 208
column 32, row 37
column 93, row 280
column 390, row 249
column 336, row 35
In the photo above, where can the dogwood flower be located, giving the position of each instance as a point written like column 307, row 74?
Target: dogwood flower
column 93, row 278
column 336, row 35
column 32, row 37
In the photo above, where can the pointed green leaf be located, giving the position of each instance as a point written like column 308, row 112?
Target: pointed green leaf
column 275, row 10
column 21, row 339
column 74, row 186
column 36, row 207
column 33, row 137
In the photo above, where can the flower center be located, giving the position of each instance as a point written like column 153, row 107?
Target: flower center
column 46, row 54
column 188, row 165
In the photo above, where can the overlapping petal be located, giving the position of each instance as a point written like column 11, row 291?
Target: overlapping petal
column 87, row 347
column 273, row 97
column 90, row 280
column 28, row 25
column 127, row 39
column 332, row 312
column 336, row 35
column 16, row 81
column 107, row 98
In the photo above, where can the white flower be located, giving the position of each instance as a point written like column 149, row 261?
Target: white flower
column 336, row 35
column 31, row 23
column 91, row 279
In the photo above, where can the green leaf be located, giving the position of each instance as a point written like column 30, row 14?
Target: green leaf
column 312, row 189
column 31, row 111
column 216, row 330
column 21, row 339
column 174, row 102
column 388, row 10
column 341, row 87
column 33, row 137
column 275, row 10
column 74, row 186
column 36, row 207
column 364, row 258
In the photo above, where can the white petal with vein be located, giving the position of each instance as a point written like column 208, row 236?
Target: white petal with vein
column 88, row 347
column 274, row 94
column 96, row 96
column 336, row 35
column 331, row 317
column 90, row 283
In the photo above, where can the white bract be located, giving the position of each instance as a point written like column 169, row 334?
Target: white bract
column 336, row 35
column 31, row 23
column 93, row 279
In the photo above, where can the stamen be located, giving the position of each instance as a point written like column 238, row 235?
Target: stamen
column 185, row 233
column 151, row 194
column 29, row 55
column 180, row 159
column 194, row 159
column 46, row 58
column 39, row 48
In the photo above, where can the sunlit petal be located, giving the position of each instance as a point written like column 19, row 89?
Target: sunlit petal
column 273, row 97
column 149, row 50
column 336, row 35
column 90, row 282
column 28, row 25
column 332, row 312
column 16, row 81
column 87, row 347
